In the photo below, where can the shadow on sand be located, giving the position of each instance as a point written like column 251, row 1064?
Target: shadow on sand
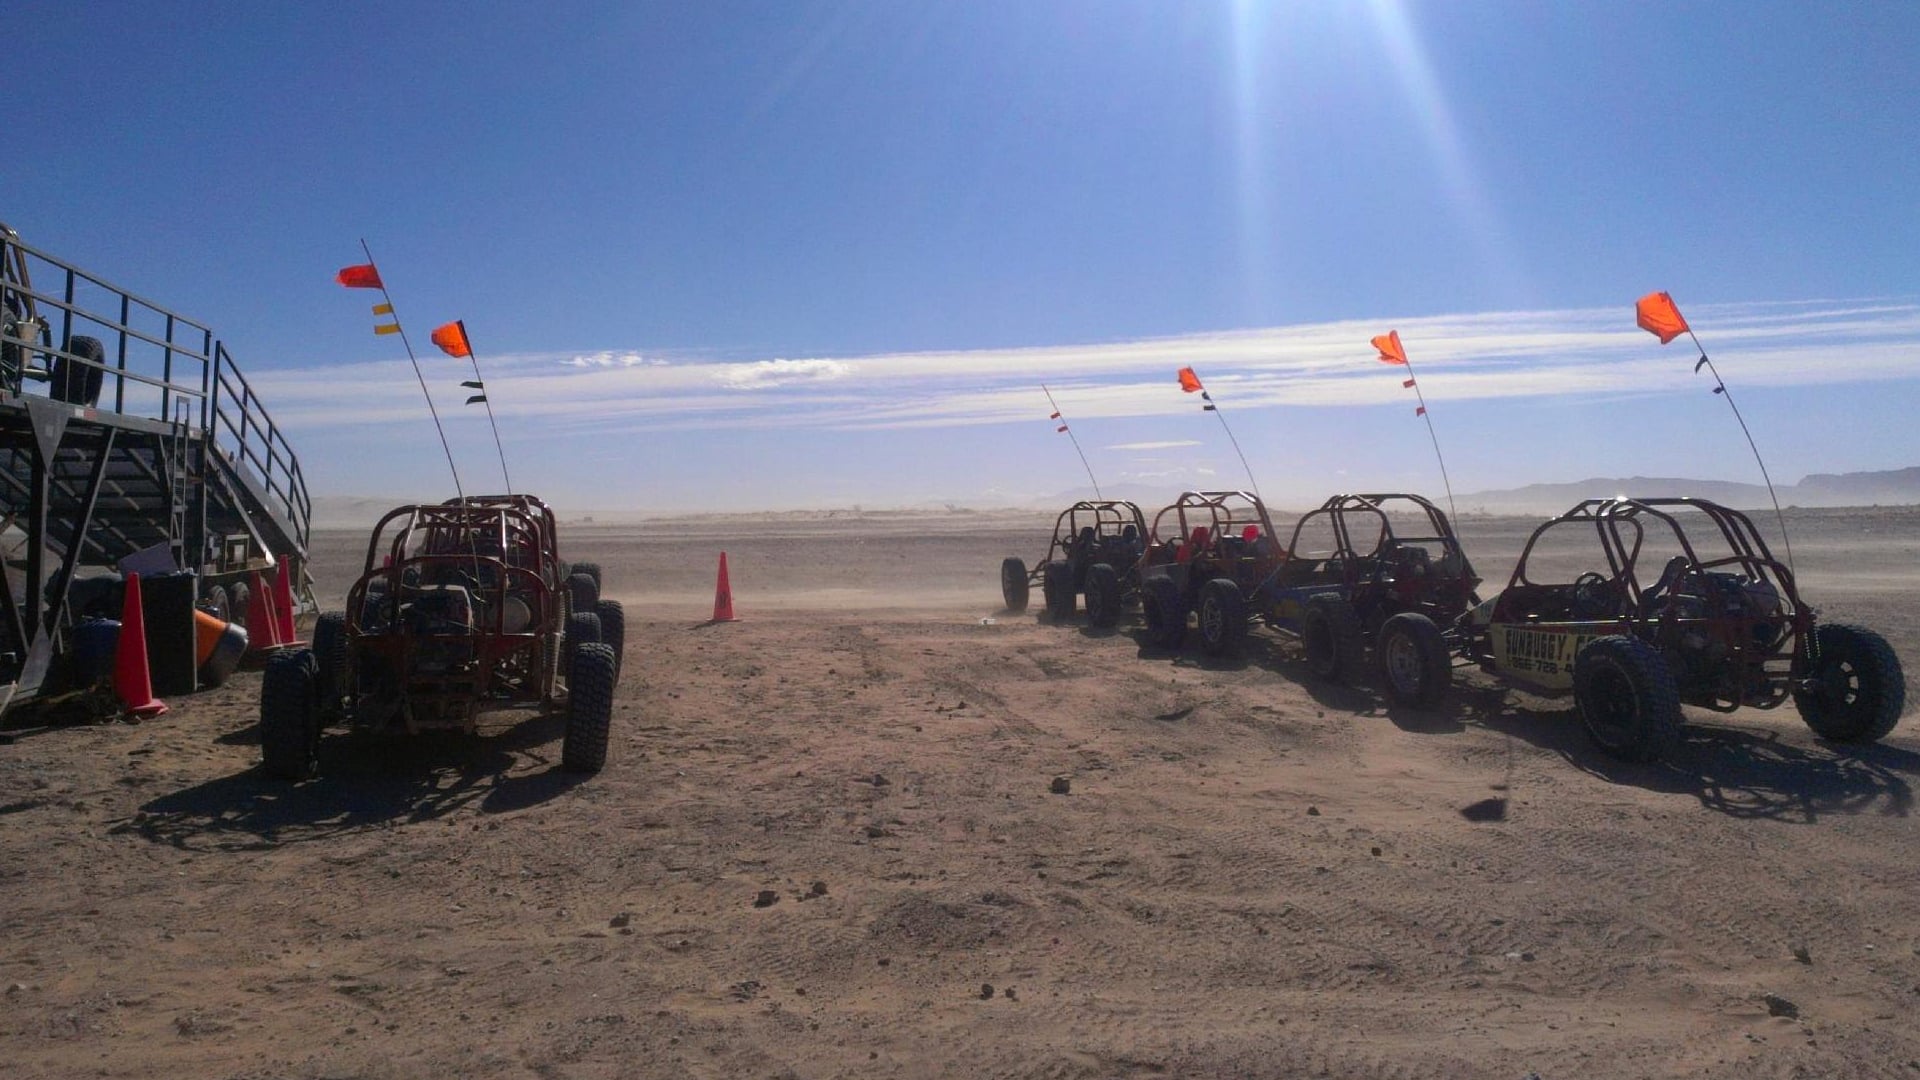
column 364, row 781
column 1738, row 770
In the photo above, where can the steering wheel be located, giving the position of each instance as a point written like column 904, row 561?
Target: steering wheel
column 1592, row 594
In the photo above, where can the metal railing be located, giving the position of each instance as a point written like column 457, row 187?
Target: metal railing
column 153, row 361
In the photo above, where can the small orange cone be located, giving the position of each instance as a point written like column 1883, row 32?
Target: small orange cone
column 263, row 625
column 723, row 595
column 283, row 606
column 130, row 676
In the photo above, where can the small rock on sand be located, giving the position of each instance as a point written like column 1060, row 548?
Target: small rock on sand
column 1779, row 1006
column 766, row 898
column 1060, row 786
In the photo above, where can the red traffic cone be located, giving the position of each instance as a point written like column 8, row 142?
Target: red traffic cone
column 263, row 625
column 723, row 595
column 130, row 676
column 283, row 606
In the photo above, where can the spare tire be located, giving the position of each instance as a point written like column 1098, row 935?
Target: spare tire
column 76, row 383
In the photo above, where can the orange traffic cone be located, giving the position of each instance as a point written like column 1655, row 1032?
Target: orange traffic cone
column 217, row 647
column 723, row 595
column 263, row 624
column 283, row 606
column 130, row 676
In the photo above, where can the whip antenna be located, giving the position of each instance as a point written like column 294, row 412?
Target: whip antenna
column 1190, row 383
column 1391, row 352
column 1657, row 314
column 1064, row 429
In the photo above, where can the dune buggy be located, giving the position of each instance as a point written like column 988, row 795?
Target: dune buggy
column 463, row 609
column 1379, row 568
column 1095, row 550
column 1719, row 625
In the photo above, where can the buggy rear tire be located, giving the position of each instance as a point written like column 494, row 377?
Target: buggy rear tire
column 1415, row 667
column 1222, row 617
column 1056, row 583
column 330, row 658
column 589, row 708
column 1164, row 611
column 289, row 726
column 1013, row 584
column 1330, row 635
column 1853, row 689
column 582, row 591
column 583, row 628
column 1627, row 698
column 613, row 631
column 1103, row 596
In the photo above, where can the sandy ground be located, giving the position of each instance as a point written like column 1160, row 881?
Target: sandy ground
column 826, row 846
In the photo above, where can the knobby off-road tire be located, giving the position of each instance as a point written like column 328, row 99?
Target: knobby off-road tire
column 215, row 602
column 1103, row 596
column 330, row 656
column 583, row 628
column 591, row 569
column 582, row 591
column 1627, row 698
column 1164, row 612
column 1331, row 636
column 613, row 631
column 239, row 597
column 1222, row 617
column 75, row 383
column 1056, row 584
column 589, row 708
column 1415, row 667
column 1013, row 584
column 289, row 724
column 1859, row 689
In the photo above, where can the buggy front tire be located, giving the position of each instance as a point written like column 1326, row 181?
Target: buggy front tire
column 1164, row 612
column 1415, row 667
column 613, row 631
column 330, row 658
column 1056, row 584
column 589, row 708
column 591, row 569
column 1103, row 596
column 1627, row 698
column 1852, row 690
column 583, row 628
column 582, row 591
column 289, row 725
column 1222, row 617
column 1013, row 584
column 1331, row 637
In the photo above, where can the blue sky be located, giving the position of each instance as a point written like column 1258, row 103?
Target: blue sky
column 728, row 255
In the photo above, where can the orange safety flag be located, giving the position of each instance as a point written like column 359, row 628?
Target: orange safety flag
column 359, row 277
column 386, row 328
column 1189, row 382
column 452, row 339
column 1389, row 346
column 1658, row 316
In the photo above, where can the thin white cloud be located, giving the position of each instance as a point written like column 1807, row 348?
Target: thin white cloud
column 1588, row 352
column 764, row 374
column 1167, row 445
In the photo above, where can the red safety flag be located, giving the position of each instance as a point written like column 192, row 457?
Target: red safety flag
column 452, row 339
column 359, row 277
column 1189, row 382
column 1389, row 346
column 1408, row 384
column 1420, row 410
column 1062, row 427
column 1055, row 416
column 1658, row 316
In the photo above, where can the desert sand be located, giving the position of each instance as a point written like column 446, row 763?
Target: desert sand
column 827, row 844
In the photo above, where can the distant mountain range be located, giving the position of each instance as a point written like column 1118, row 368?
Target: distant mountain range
column 1893, row 487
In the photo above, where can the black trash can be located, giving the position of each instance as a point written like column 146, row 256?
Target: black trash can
column 166, row 602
